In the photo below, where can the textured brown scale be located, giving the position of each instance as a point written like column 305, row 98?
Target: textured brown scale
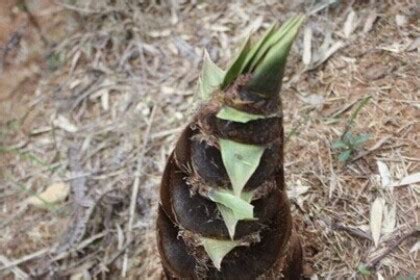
column 195, row 167
column 240, row 97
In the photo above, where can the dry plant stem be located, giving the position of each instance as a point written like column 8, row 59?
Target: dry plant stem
column 19, row 274
column 352, row 231
column 34, row 21
column 26, row 258
column 135, row 189
column 414, row 233
column 11, row 44
column 375, row 147
column 50, row 260
column 83, row 205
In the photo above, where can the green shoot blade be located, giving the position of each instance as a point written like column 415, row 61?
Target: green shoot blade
column 229, row 218
column 240, row 161
column 240, row 208
column 247, row 196
column 210, row 79
column 232, row 114
column 268, row 72
column 237, row 66
column 217, row 249
column 251, row 58
column 272, row 40
column 230, row 212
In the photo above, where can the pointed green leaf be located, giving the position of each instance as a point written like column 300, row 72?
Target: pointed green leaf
column 232, row 114
column 237, row 66
column 344, row 156
column 229, row 218
column 268, row 72
column 245, row 56
column 255, row 50
column 211, row 77
column 250, row 58
column 347, row 137
column 360, row 139
column 247, row 196
column 217, row 249
column 240, row 208
column 338, row 144
column 240, row 161
column 272, row 40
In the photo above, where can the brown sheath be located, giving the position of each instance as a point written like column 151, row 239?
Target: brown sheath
column 185, row 213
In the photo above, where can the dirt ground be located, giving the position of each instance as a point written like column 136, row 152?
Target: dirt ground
column 93, row 95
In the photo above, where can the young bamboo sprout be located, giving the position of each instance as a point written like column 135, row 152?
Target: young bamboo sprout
column 224, row 213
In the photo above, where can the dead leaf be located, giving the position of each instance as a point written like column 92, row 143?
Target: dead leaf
column 55, row 193
column 307, row 46
column 370, row 20
column 376, row 72
column 415, row 248
column 407, row 180
column 105, row 100
column 415, row 44
column 389, row 219
column 65, row 124
column 384, row 173
column 400, row 20
column 160, row 33
column 313, row 99
column 297, row 190
column 350, row 24
column 376, row 215
column 324, row 54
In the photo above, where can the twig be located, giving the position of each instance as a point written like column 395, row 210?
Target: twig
column 363, row 154
column 113, row 258
column 162, row 134
column 82, row 203
column 41, row 271
column 81, row 245
column 12, row 43
column 78, row 183
column 343, row 110
column 352, row 231
column 26, row 258
column 34, row 22
column 321, row 7
column 19, row 273
column 135, row 190
column 353, row 116
column 374, row 262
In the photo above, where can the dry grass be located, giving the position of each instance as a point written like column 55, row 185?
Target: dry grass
column 121, row 87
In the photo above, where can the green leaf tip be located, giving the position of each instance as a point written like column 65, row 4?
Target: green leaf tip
column 240, row 161
column 241, row 209
column 217, row 249
column 210, row 79
column 268, row 71
column 231, row 114
column 236, row 68
column 266, row 59
column 233, row 208
column 229, row 218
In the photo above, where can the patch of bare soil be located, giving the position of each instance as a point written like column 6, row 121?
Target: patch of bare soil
column 93, row 95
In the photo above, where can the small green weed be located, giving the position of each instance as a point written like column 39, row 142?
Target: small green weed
column 348, row 144
column 363, row 270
